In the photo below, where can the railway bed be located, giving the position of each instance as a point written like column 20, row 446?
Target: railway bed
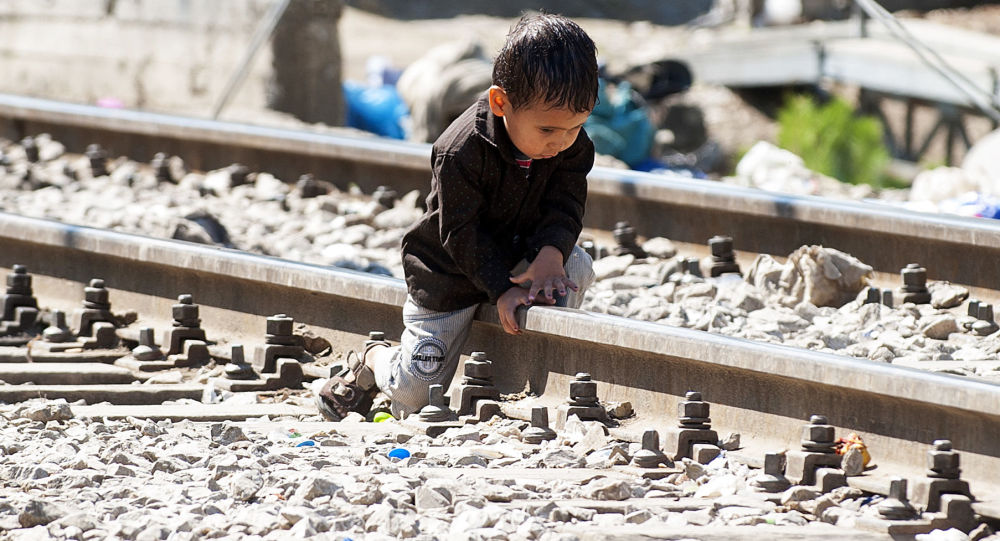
column 764, row 392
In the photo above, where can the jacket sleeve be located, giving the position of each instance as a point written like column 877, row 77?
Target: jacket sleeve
column 564, row 199
column 461, row 205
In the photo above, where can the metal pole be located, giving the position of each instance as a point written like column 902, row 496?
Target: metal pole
column 263, row 32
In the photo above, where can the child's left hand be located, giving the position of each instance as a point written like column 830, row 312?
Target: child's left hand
column 546, row 273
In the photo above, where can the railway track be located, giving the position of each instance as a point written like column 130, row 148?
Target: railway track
column 953, row 248
column 764, row 392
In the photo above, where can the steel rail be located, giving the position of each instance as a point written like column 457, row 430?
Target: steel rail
column 765, row 392
column 958, row 249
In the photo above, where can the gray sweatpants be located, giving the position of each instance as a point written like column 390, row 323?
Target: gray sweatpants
column 432, row 342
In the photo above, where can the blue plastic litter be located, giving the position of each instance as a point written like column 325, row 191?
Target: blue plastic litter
column 307, row 443
column 399, row 453
column 973, row 204
column 376, row 109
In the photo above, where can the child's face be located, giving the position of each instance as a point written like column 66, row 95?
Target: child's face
column 537, row 130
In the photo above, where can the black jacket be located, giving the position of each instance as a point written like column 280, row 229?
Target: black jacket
column 484, row 213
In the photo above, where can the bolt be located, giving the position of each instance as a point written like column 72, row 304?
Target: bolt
column 583, row 391
column 985, row 324
column 19, row 281
column 385, row 196
column 773, row 479
column 185, row 312
column 723, row 258
column 943, row 461
column 591, row 249
column 98, row 158
column 146, row 350
column 374, row 337
column 30, row 149
column 874, row 296
column 238, row 174
column 280, row 325
column 161, row 168
column 96, row 295
column 435, row 411
column 308, row 187
column 478, row 367
column 57, row 332
column 692, row 265
column 146, row 337
column 238, row 367
column 693, row 412
column 722, row 246
column 818, row 436
column 914, row 277
column 887, row 298
column 539, row 430
column 650, row 456
column 772, row 464
column 625, row 236
column 896, row 506
column 624, row 233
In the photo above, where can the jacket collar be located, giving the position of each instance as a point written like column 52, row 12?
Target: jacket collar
column 491, row 128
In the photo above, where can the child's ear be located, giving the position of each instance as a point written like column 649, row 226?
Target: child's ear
column 498, row 100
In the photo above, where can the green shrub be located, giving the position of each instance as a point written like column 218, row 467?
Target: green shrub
column 834, row 141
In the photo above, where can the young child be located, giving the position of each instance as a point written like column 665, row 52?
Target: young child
column 503, row 216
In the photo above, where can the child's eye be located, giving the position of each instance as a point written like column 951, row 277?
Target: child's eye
column 546, row 130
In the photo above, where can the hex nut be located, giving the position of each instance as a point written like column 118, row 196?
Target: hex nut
column 478, row 369
column 943, row 461
column 689, row 409
column 914, row 276
column 818, row 433
column 280, row 325
column 583, row 389
column 721, row 246
column 185, row 312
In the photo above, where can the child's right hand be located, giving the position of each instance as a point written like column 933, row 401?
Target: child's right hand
column 506, row 306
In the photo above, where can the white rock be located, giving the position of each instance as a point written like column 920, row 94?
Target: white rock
column 432, row 496
column 730, row 442
column 824, row 276
column 612, row 265
column 951, row 534
column 700, row 517
column 45, row 410
column 936, row 185
column 940, row 327
column 947, row 295
column 980, row 163
column 660, row 247
column 798, row 494
column 607, row 489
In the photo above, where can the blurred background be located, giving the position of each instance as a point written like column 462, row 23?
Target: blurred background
column 822, row 97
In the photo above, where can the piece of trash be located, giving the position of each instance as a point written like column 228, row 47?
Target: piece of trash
column 110, row 103
column 381, row 417
column 307, row 443
column 293, row 433
column 853, row 441
column 399, row 453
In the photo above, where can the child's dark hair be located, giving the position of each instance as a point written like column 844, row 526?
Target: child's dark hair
column 548, row 59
